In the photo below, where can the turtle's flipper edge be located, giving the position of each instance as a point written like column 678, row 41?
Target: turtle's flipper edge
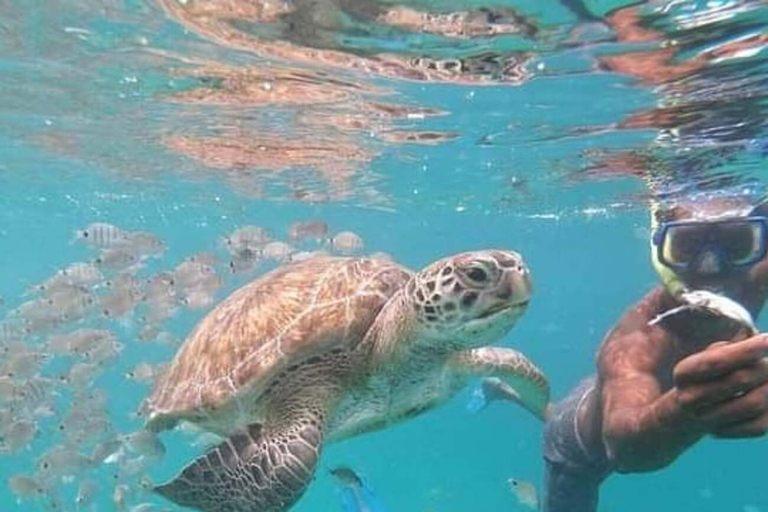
column 251, row 471
column 521, row 381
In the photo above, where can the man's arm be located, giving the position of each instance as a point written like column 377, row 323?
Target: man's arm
column 643, row 428
column 722, row 390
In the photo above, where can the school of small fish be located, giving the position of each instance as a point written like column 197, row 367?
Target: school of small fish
column 72, row 336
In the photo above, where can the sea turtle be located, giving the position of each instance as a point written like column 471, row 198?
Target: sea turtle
column 328, row 348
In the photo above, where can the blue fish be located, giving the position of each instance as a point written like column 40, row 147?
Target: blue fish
column 489, row 390
column 356, row 494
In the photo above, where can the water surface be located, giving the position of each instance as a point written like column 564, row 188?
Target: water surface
column 427, row 128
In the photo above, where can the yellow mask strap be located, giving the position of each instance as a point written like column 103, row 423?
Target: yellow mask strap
column 668, row 276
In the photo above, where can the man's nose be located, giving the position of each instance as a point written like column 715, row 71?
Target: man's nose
column 708, row 263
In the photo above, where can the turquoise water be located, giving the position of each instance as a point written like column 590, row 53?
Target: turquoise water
column 125, row 112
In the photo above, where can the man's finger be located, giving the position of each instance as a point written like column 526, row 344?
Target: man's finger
column 739, row 382
column 756, row 427
column 720, row 360
column 749, row 406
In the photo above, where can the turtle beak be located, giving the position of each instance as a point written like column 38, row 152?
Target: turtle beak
column 516, row 288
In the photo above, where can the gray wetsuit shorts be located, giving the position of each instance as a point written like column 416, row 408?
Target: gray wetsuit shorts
column 574, row 471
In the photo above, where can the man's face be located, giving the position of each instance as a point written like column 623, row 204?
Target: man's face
column 710, row 245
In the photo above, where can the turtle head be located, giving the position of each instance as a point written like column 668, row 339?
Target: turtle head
column 472, row 298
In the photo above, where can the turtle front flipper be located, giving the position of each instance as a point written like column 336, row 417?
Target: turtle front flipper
column 257, row 470
column 522, row 381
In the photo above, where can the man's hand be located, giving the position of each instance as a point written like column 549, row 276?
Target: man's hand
column 725, row 387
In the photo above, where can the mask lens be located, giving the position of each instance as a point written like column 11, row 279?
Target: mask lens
column 741, row 242
column 737, row 242
column 683, row 243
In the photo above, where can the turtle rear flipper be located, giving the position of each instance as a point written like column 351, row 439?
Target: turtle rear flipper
column 255, row 470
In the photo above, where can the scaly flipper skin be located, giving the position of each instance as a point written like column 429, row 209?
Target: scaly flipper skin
column 525, row 381
column 262, row 469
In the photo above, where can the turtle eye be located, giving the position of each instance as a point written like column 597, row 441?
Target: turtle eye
column 477, row 274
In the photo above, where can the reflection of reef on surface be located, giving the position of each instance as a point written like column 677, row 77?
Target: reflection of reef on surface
column 377, row 120
column 483, row 22
column 417, row 137
column 248, row 160
column 311, row 34
column 339, row 127
column 710, row 113
column 253, row 86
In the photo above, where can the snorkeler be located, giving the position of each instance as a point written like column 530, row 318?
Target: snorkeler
column 665, row 381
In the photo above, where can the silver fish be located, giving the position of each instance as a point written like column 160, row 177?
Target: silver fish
column 119, row 495
column 118, row 303
column 525, row 492
column 44, row 324
column 243, row 265
column 44, row 411
column 144, row 244
column 12, row 330
column 130, row 468
column 82, row 273
column 190, row 275
column 278, row 251
column 148, row 331
column 72, row 303
column 379, row 255
column 36, row 309
column 346, row 476
column 347, row 242
column 167, row 338
column 105, row 449
column 145, row 443
column 86, row 492
column 145, row 373
column 79, row 341
column 91, row 399
column 197, row 299
column 160, row 308
column 307, row 255
column 304, row 230
column 76, row 274
column 82, row 374
column 143, row 507
column 116, row 260
column 206, row 440
column 204, row 258
column 36, row 391
column 105, row 353
column 18, row 435
column 24, row 364
column 159, row 287
column 101, row 235
column 25, row 487
column 247, row 241
column 62, row 461
column 7, row 389
column 126, row 292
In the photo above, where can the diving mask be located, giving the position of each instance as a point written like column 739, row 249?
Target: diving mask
column 711, row 246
